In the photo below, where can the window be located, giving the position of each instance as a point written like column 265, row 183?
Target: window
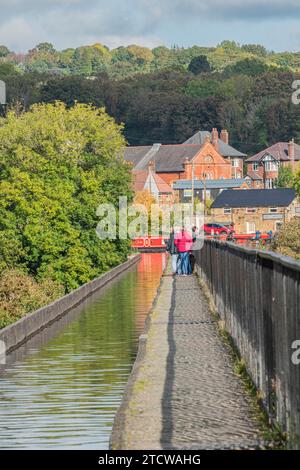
column 235, row 163
column 271, row 166
column 250, row 227
column 227, row 210
column 255, row 166
column 187, row 193
column 269, row 183
column 273, row 210
column 251, row 210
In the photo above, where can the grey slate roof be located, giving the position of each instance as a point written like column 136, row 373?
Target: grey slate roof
column 210, row 184
column 255, row 198
column 225, row 149
column 254, row 176
column 166, row 158
column 279, row 151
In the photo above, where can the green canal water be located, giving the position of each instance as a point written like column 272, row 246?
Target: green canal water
column 61, row 390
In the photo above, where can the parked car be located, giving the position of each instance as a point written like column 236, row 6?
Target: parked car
column 217, row 229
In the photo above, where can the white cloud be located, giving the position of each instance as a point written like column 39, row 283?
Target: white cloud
column 67, row 23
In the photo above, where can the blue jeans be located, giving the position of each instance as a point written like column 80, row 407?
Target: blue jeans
column 174, row 263
column 185, row 264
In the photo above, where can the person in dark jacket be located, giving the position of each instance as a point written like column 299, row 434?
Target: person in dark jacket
column 172, row 249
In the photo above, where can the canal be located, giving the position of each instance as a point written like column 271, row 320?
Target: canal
column 61, row 389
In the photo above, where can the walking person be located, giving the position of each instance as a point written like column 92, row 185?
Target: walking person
column 183, row 241
column 172, row 249
column 192, row 256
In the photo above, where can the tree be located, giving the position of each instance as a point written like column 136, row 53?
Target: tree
column 199, row 65
column 247, row 66
column 255, row 49
column 56, row 166
column 4, row 51
column 45, row 47
column 6, row 69
column 285, row 177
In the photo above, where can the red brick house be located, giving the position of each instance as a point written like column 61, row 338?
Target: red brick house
column 263, row 168
column 221, row 144
column 211, row 158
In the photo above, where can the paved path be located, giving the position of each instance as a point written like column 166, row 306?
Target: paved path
column 183, row 393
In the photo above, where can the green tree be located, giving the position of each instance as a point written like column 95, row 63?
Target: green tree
column 255, row 49
column 285, row 177
column 4, row 51
column 56, row 166
column 199, row 65
column 247, row 66
column 6, row 69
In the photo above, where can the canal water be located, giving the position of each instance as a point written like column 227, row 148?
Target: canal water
column 61, row 390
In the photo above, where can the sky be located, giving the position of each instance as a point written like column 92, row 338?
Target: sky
column 71, row 23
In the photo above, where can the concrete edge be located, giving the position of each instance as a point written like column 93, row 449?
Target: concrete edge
column 19, row 332
column 117, row 438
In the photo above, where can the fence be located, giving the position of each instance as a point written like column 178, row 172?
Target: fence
column 257, row 294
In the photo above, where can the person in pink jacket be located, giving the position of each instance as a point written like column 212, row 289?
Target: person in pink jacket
column 184, row 242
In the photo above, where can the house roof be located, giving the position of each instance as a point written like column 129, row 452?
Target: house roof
column 162, row 186
column 210, row 184
column 166, row 158
column 141, row 182
column 254, row 176
column 255, row 198
column 279, row 151
column 225, row 150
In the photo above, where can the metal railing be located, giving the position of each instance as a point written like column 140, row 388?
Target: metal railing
column 257, row 294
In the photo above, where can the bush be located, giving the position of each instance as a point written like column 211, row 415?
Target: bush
column 21, row 294
column 288, row 240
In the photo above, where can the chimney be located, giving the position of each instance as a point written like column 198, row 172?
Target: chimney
column 215, row 138
column 156, row 147
column 291, row 151
column 224, row 136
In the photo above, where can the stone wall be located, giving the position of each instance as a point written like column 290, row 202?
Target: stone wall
column 14, row 335
column 262, row 219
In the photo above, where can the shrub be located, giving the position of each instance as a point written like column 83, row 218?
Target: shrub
column 288, row 240
column 21, row 294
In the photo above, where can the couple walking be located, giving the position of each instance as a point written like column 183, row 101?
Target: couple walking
column 180, row 246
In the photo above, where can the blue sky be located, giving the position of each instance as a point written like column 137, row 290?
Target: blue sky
column 70, row 23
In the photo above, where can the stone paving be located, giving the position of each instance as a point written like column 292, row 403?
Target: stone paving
column 183, row 393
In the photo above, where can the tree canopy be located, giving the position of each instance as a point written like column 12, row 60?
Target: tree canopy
column 127, row 61
column 56, row 166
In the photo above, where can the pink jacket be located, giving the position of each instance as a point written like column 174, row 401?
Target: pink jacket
column 183, row 241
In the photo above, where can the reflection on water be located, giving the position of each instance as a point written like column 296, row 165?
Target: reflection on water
column 62, row 389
